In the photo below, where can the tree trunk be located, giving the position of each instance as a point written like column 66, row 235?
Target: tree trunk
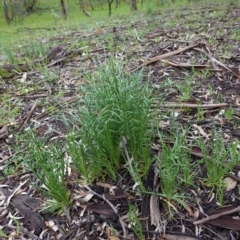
column 82, row 4
column 133, row 5
column 110, row 7
column 29, row 4
column 90, row 2
column 5, row 9
column 64, row 12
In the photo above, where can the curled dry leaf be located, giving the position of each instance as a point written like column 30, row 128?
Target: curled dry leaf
column 196, row 151
column 226, row 222
column 24, row 78
column 49, row 224
column 109, row 234
column 219, row 213
column 102, row 209
column 25, row 205
column 201, row 131
column 230, row 183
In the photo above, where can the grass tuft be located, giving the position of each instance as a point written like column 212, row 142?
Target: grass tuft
column 48, row 165
column 221, row 161
column 116, row 106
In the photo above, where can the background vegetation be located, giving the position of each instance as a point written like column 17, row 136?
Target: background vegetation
column 46, row 18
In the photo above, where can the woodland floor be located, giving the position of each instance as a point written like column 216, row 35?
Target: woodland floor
column 163, row 44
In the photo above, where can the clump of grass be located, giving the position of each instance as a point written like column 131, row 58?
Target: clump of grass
column 9, row 55
column 47, row 75
column 116, row 106
column 219, row 163
column 134, row 221
column 229, row 113
column 149, row 7
column 35, row 49
column 175, row 169
column 48, row 165
column 186, row 88
column 9, row 109
column 2, row 234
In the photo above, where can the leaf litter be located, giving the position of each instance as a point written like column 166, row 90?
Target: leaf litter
column 100, row 211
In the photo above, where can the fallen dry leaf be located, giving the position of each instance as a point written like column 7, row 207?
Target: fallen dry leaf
column 230, row 183
column 26, row 205
column 102, row 209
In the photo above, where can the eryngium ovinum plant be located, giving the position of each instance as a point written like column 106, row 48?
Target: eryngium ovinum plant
column 117, row 125
column 48, row 164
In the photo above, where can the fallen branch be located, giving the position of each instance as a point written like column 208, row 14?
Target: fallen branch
column 28, row 115
column 215, row 216
column 166, row 55
column 209, row 55
column 214, row 60
column 192, row 105
column 188, row 65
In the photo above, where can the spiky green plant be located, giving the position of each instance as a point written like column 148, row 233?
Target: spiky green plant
column 48, row 164
column 175, row 168
column 116, row 105
column 134, row 221
column 219, row 161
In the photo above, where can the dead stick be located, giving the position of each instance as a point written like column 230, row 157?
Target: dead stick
column 209, row 56
column 166, row 55
column 29, row 115
column 192, row 105
column 182, row 64
column 35, row 96
column 215, row 216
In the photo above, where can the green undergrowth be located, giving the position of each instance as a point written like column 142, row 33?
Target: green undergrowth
column 49, row 166
column 219, row 160
column 116, row 106
column 112, row 128
column 46, row 21
column 9, row 109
